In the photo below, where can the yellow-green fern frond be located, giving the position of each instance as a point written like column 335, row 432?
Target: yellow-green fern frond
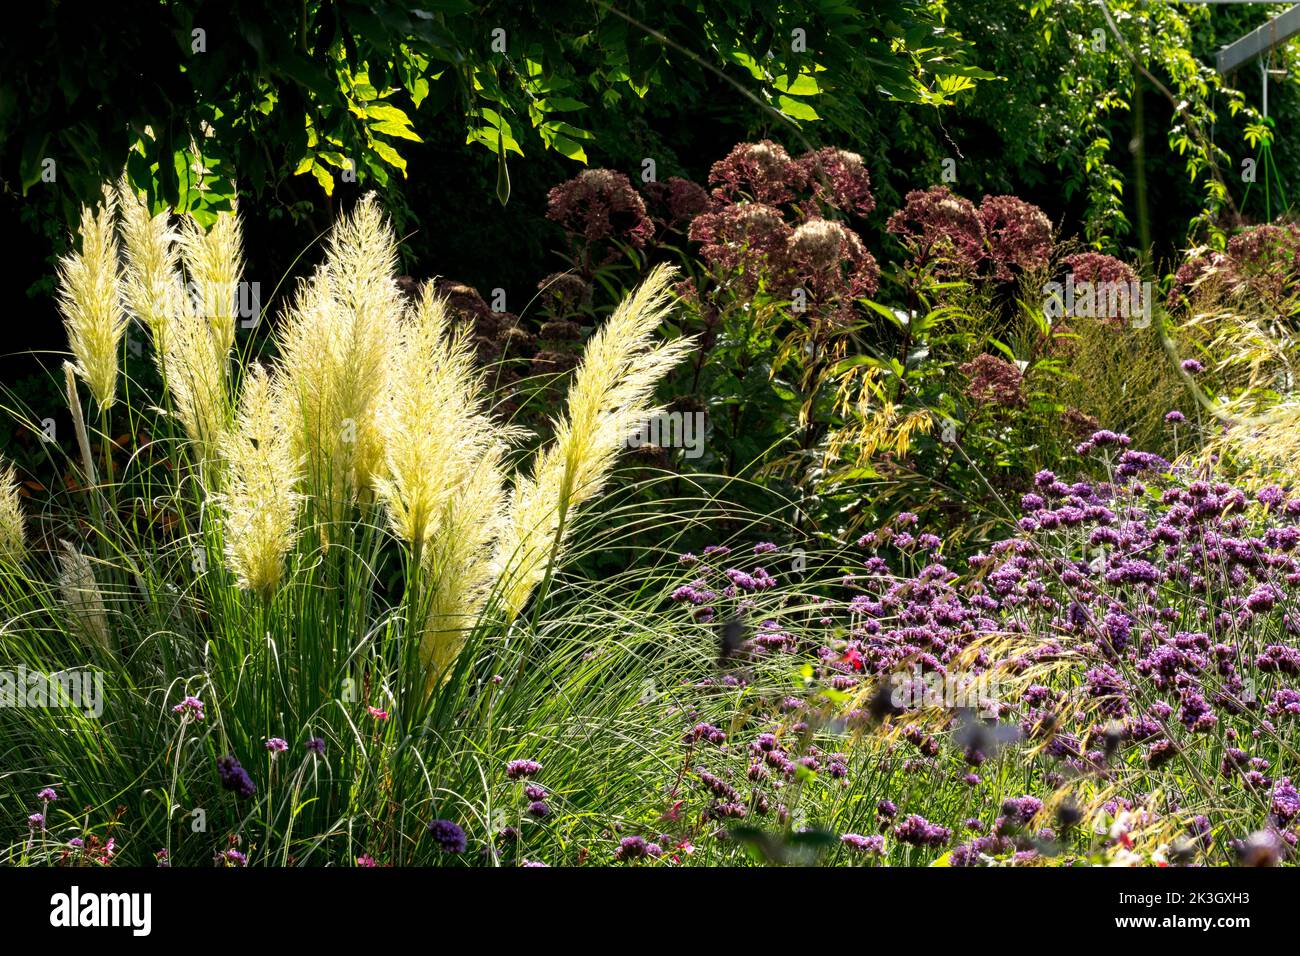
column 90, row 298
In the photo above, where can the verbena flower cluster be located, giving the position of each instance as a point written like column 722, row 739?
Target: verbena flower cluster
column 1139, row 616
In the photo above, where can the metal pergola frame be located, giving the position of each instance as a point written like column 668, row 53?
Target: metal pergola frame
column 1260, row 41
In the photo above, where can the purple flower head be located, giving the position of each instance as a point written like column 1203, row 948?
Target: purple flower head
column 234, row 777
column 316, row 745
column 1192, row 366
column 636, row 848
column 539, row 809
column 874, row 844
column 534, row 791
column 919, row 831
column 48, row 795
column 277, row 745
column 36, row 821
column 1175, row 417
column 190, row 707
column 449, row 836
column 521, row 769
column 707, row 732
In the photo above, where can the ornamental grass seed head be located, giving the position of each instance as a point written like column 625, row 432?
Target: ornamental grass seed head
column 84, row 600
column 151, row 279
column 259, row 493
column 90, row 298
column 13, row 535
column 337, row 343
column 194, row 359
column 610, row 397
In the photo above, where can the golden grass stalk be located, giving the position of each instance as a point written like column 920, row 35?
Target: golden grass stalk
column 337, row 344
column 90, row 298
column 82, row 597
column 609, row 399
column 90, row 477
column 259, row 497
column 151, row 279
column 13, row 535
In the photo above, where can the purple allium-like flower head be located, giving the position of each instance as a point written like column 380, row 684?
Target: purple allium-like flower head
column 635, row 848
column 277, row 745
column 190, row 707
column 1019, row 234
column 449, row 836
column 234, row 777
column 1192, row 366
column 1096, row 268
column 521, row 769
column 600, row 204
column 874, row 844
column 534, row 791
column 941, row 229
column 48, row 795
column 539, row 809
column 1175, row 417
column 36, row 821
column 230, row 857
column 316, row 745
column 919, row 831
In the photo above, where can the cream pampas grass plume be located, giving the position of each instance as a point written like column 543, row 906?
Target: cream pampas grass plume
column 90, row 298
column 195, row 333
column 13, row 537
column 196, row 369
column 609, row 399
column 443, row 488
column 151, row 280
column 433, row 423
column 259, row 497
column 337, row 345
column 82, row 597
column 213, row 261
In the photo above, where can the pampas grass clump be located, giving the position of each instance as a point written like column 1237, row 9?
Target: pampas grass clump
column 373, row 405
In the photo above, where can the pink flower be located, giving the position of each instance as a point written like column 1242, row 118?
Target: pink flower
column 941, row 230
column 760, row 171
column 1018, row 234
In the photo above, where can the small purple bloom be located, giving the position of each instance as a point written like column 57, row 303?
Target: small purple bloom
column 449, row 836
column 520, row 769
